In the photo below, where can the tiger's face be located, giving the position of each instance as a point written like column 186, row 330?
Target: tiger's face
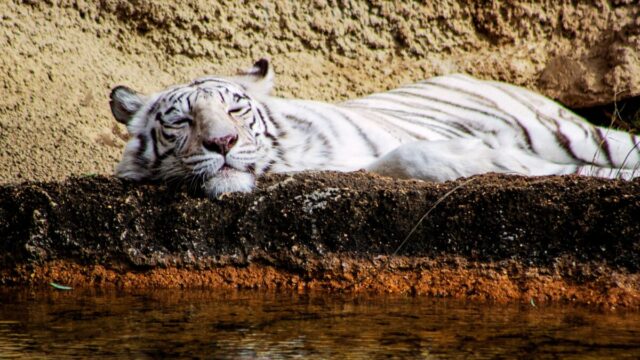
column 209, row 132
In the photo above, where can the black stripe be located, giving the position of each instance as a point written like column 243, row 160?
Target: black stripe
column 270, row 119
column 445, row 125
column 253, row 121
column 405, row 130
column 444, row 132
column 479, row 99
column 327, row 121
column 158, row 161
column 523, row 129
column 319, row 135
column 500, row 167
column 372, row 146
column 182, row 95
column 493, row 106
column 180, row 122
column 268, row 116
column 172, row 94
column 143, row 145
column 237, row 97
column 307, row 145
column 328, row 149
column 155, row 106
column 181, row 142
column 561, row 138
column 169, row 137
column 635, row 142
column 463, row 128
column 565, row 144
column 298, row 120
column 603, row 144
column 259, row 116
column 213, row 80
column 275, row 145
column 140, row 160
column 268, row 167
column 570, row 116
column 577, row 169
column 154, row 142
column 270, row 136
column 392, row 129
column 197, row 95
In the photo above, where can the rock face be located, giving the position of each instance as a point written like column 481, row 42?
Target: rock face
column 492, row 237
column 60, row 58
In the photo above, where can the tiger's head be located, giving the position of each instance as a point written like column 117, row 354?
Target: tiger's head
column 210, row 132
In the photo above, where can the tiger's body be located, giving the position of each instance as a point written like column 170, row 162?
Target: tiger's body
column 226, row 131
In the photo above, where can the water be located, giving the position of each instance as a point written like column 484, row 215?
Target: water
column 247, row 325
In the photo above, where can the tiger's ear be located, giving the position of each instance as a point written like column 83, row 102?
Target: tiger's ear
column 258, row 79
column 125, row 103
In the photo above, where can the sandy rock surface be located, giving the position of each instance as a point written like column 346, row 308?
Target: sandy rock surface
column 60, row 58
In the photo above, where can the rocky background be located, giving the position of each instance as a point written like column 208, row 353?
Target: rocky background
column 60, row 58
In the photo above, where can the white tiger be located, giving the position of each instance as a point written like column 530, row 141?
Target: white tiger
column 223, row 132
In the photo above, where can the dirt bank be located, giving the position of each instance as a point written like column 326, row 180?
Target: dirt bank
column 495, row 238
column 60, row 58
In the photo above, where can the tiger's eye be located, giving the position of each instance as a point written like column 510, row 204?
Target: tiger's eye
column 184, row 120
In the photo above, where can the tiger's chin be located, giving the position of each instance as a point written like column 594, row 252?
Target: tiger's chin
column 228, row 181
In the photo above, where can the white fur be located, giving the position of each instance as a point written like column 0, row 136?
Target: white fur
column 444, row 160
column 229, row 182
column 441, row 129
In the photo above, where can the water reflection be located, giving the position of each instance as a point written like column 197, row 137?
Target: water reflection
column 248, row 325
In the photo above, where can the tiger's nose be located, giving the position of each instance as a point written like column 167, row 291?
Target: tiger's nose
column 220, row 145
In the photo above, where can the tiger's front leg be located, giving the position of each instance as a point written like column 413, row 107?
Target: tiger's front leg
column 446, row 160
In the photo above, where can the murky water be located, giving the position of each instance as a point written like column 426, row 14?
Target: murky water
column 247, row 325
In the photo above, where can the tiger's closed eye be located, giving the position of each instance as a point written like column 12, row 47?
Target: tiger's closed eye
column 177, row 124
column 239, row 109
